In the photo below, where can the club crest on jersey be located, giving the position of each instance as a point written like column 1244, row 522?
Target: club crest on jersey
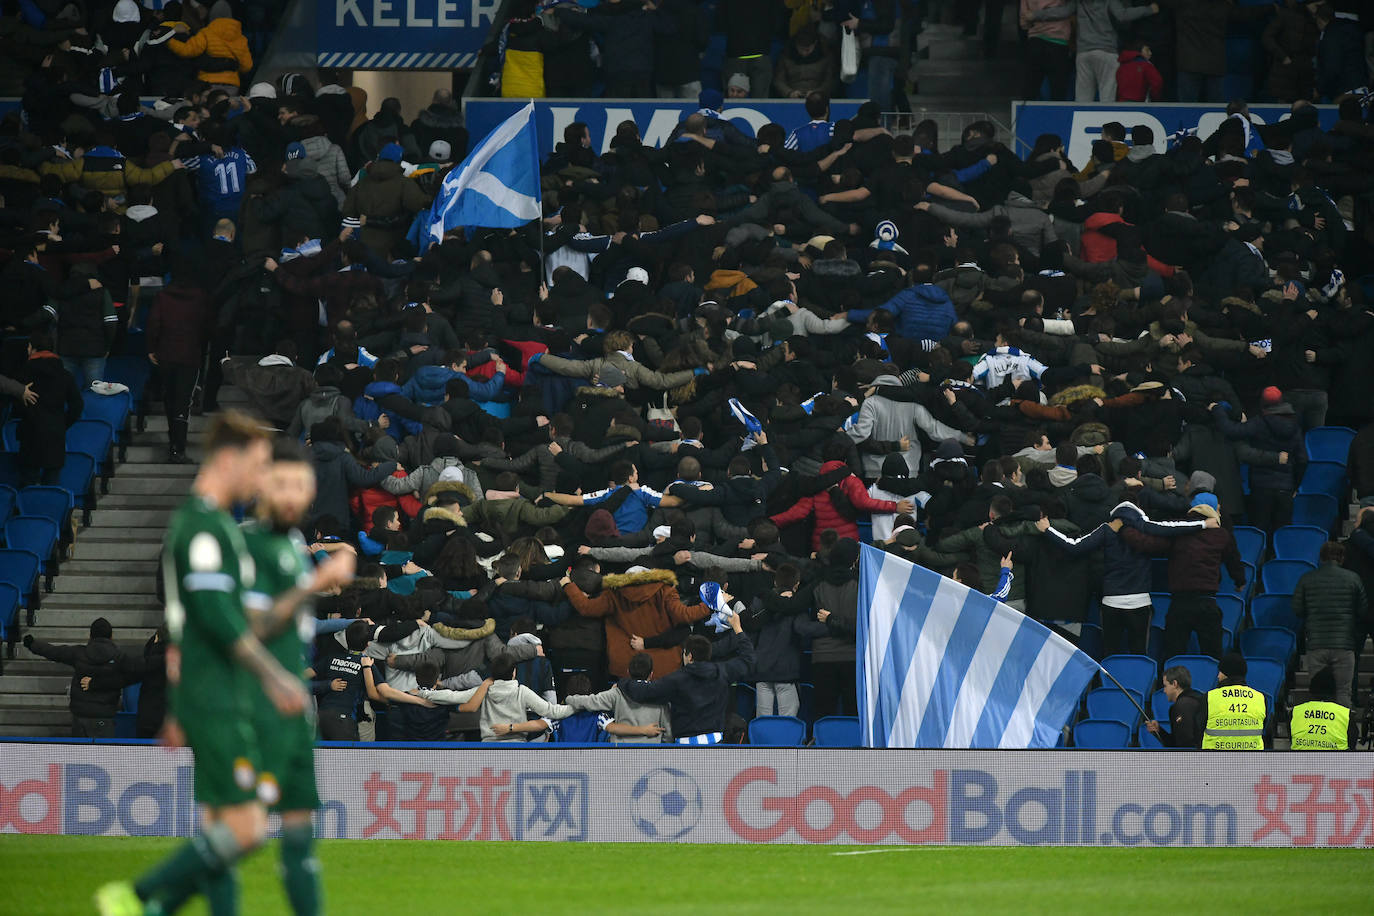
column 244, row 775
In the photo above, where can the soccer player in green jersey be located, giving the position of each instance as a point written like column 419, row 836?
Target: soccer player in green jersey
column 279, row 605
column 214, row 667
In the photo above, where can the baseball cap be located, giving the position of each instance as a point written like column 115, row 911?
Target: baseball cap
column 392, row 152
column 440, row 151
column 262, row 91
column 295, row 151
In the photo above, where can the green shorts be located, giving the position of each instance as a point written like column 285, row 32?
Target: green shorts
column 228, row 762
column 288, row 755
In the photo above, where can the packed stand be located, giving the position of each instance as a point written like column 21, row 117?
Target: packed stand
column 592, row 493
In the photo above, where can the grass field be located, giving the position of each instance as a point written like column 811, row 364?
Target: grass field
column 55, row 876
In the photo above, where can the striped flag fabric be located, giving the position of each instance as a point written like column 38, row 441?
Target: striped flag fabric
column 941, row 665
column 497, row 185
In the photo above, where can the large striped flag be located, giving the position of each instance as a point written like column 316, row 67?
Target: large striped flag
column 942, row 665
column 496, row 186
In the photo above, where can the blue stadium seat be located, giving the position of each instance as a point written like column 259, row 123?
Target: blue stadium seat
column 1232, row 612
column 78, row 479
column 1135, row 672
column 1111, row 703
column 11, row 475
column 1326, row 477
column 1101, row 735
column 1330, row 443
column 1250, row 542
column 39, row 536
column 47, row 502
column 1228, row 586
column 836, row 731
column 1299, row 542
column 777, row 731
column 114, row 409
column 1275, row 610
column 1148, row 742
column 1319, row 509
column 126, row 720
column 1154, row 643
column 1203, row 668
column 1160, row 601
column 9, row 436
column 9, row 499
column 1281, row 576
column 95, row 439
column 1159, row 708
column 132, row 371
column 1277, row 643
column 10, row 599
column 1267, row 676
column 20, row 569
column 746, row 701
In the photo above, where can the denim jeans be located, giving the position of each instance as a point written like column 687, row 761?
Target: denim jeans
column 1200, row 87
column 882, row 71
column 1310, row 406
column 85, row 369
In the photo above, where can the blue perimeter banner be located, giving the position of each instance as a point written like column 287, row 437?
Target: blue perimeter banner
column 402, row 34
column 656, row 118
column 1079, row 125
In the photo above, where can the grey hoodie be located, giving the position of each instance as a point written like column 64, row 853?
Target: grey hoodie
column 506, row 702
column 1098, row 21
column 628, row 712
column 332, row 165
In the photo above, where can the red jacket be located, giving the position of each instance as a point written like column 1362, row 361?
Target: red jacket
column 827, row 516
column 365, row 501
column 1096, row 246
column 1136, row 76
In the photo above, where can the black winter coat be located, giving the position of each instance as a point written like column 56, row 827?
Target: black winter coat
column 100, row 660
column 82, row 330
column 1330, row 600
column 43, row 426
column 337, row 473
column 1274, row 430
column 698, row 692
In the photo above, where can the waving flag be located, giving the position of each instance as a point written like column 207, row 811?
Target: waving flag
column 497, row 185
column 943, row 666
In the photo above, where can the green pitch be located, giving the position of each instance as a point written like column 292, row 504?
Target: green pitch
column 56, row 875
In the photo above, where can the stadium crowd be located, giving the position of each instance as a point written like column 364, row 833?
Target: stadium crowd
column 638, row 442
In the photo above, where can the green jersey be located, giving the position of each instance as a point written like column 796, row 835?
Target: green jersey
column 280, row 564
column 206, row 570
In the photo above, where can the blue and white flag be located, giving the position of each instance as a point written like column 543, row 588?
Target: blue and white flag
column 497, row 185
column 943, row 666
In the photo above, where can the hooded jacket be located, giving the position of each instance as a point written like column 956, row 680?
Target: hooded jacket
column 325, row 402
column 86, row 319
column 177, row 325
column 697, row 694
column 331, row 163
column 882, row 421
column 388, row 199
column 642, row 604
column 223, row 48
column 923, row 312
column 1137, row 80
column 1276, row 429
column 101, row 661
column 336, row 473
column 367, row 407
column 1088, row 501
column 1196, row 554
column 1031, row 227
column 826, row 514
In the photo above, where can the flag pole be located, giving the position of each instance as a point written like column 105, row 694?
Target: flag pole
column 1130, row 696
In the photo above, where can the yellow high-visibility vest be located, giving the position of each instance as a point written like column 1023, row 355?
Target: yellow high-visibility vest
column 1319, row 726
column 1235, row 719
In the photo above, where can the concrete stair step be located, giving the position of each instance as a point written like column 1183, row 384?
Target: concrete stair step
column 148, row 449
column 33, row 684
column 165, row 501
column 119, row 617
column 131, row 638
column 157, row 423
column 96, row 602
column 25, row 662
column 128, row 485
column 68, row 584
column 40, row 702
column 124, row 550
column 86, row 567
column 23, row 717
column 144, row 524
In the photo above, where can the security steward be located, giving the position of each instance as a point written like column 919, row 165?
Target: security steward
column 1235, row 712
column 1322, row 724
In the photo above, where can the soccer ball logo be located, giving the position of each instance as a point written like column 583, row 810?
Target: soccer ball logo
column 665, row 804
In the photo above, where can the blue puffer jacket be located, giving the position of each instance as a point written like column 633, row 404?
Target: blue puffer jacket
column 365, row 407
column 427, row 385
column 923, row 312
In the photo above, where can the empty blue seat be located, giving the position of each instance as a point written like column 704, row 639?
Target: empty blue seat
column 1275, row 610
column 91, row 437
column 114, row 409
column 1148, row 740
column 1203, row 669
column 777, row 731
column 1330, row 443
column 1299, row 542
column 836, row 731
column 1160, row 601
column 1277, row 643
column 10, row 600
column 1250, row 542
column 1266, row 676
column 745, row 701
column 37, row 535
column 78, row 479
column 1281, row 576
column 1135, row 672
column 47, row 502
column 1232, row 612
column 1318, row 509
column 1159, row 708
column 19, row 568
column 1326, row 477
column 1228, row 586
column 126, row 719
column 9, row 499
column 1101, row 735
column 132, row 371
column 1110, row 703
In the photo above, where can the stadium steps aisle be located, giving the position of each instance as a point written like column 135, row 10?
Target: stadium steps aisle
column 112, row 572
column 957, row 77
